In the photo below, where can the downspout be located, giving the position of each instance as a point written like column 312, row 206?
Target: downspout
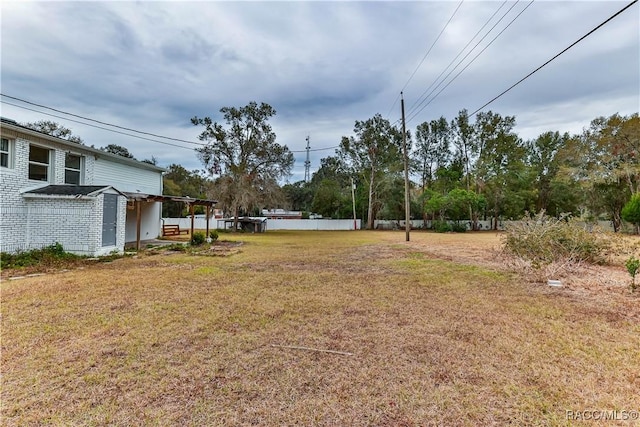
column 160, row 219
column 28, row 228
column 138, row 223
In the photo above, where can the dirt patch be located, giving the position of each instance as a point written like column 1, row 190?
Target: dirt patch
column 224, row 248
column 598, row 284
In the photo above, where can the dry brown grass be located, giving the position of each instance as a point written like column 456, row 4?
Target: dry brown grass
column 187, row 340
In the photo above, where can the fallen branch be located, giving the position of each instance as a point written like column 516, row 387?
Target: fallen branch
column 295, row 347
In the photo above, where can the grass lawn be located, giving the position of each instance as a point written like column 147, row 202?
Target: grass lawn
column 200, row 340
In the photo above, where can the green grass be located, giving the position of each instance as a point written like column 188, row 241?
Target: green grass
column 187, row 340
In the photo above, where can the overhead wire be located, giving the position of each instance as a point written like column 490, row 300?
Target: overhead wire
column 121, row 127
column 411, row 107
column 470, row 62
column 425, row 94
column 425, row 56
column 556, row 56
column 96, row 121
column 99, row 127
column 431, row 47
column 315, row 149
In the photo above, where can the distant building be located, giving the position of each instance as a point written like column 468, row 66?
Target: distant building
column 215, row 214
column 281, row 214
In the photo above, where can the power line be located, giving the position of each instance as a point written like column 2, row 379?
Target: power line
column 470, row 62
column 432, row 45
column 120, row 127
column 98, row 127
column 557, row 55
column 411, row 108
column 315, row 149
column 96, row 121
column 425, row 55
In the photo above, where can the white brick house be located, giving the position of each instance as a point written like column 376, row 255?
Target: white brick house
column 53, row 190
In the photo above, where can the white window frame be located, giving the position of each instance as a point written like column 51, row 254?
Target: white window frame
column 48, row 165
column 79, row 170
column 8, row 152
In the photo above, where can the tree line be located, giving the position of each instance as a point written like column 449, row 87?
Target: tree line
column 466, row 168
column 478, row 168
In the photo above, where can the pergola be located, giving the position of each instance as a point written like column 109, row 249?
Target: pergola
column 139, row 198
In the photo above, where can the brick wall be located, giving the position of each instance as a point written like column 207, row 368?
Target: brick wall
column 64, row 221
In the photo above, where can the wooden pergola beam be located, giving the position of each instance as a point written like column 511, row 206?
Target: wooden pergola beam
column 207, row 217
column 193, row 217
column 138, row 198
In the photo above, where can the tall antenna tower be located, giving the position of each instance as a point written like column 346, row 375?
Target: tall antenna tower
column 307, row 163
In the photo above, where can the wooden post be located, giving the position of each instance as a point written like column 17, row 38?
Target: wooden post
column 138, row 222
column 353, row 198
column 407, row 204
column 193, row 219
column 208, row 213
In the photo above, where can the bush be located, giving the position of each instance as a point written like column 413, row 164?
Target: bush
column 541, row 240
column 178, row 247
column 51, row 254
column 441, row 226
column 213, row 234
column 633, row 265
column 457, row 227
column 631, row 211
column 198, row 238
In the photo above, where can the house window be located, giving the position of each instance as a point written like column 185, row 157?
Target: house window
column 39, row 163
column 72, row 169
column 5, row 153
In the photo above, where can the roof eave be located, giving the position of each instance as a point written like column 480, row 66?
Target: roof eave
column 76, row 146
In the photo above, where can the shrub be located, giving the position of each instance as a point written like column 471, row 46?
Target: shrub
column 458, row 227
column 633, row 265
column 441, row 226
column 631, row 211
column 213, row 234
column 198, row 238
column 541, row 240
column 178, row 247
column 51, row 254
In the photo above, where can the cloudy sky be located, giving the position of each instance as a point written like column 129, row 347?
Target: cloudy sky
column 151, row 66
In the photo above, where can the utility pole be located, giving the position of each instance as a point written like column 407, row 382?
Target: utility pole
column 307, row 163
column 407, row 204
column 353, row 197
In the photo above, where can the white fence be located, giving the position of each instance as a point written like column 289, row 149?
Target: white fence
column 185, row 223
column 274, row 224
column 312, row 224
column 342, row 224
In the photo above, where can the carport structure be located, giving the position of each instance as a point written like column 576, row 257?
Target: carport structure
column 139, row 198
